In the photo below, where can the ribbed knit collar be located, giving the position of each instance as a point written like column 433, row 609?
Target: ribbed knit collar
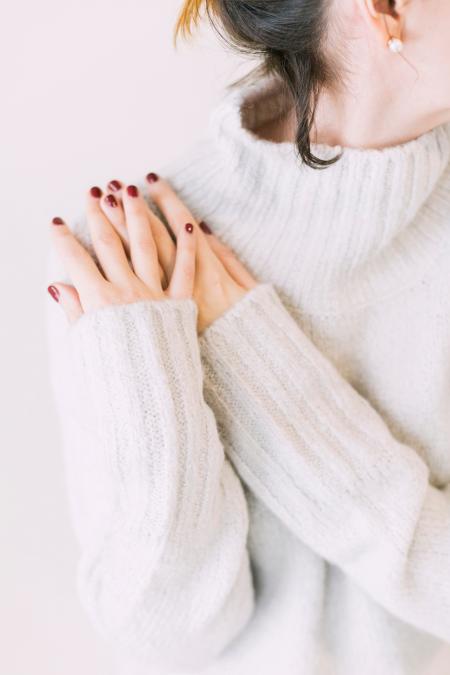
column 342, row 236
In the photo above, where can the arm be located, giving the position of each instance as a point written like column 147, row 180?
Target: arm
column 324, row 461
column 160, row 515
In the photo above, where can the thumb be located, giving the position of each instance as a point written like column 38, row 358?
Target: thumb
column 67, row 296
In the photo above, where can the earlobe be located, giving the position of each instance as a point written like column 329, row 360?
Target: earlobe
column 387, row 21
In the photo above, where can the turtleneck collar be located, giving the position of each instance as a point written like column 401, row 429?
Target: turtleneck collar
column 358, row 228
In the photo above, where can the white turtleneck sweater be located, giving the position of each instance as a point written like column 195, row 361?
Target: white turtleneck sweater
column 273, row 497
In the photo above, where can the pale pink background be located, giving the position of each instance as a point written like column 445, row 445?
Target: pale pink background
column 91, row 90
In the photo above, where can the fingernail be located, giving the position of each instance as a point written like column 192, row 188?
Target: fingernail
column 189, row 228
column 114, row 185
column 152, row 177
column 96, row 192
column 132, row 190
column 205, row 228
column 57, row 221
column 54, row 293
column 111, row 200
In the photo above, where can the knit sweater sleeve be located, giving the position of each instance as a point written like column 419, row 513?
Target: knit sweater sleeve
column 324, row 461
column 161, row 517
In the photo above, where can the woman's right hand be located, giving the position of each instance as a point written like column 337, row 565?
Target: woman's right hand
column 119, row 280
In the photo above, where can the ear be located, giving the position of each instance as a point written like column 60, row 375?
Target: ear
column 383, row 7
column 385, row 16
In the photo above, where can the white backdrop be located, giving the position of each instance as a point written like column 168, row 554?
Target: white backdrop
column 91, row 90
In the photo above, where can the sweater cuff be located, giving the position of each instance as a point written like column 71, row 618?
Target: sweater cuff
column 102, row 333
column 142, row 350
column 310, row 437
column 140, row 364
column 246, row 317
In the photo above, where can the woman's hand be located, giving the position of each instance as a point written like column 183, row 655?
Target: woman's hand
column 120, row 278
column 220, row 279
column 212, row 274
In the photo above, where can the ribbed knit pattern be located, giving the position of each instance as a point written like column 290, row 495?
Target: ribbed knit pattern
column 272, row 497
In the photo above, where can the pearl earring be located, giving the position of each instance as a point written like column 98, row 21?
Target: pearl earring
column 395, row 45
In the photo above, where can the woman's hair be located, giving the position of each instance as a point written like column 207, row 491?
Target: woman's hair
column 290, row 36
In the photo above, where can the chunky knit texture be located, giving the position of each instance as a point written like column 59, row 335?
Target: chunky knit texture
column 273, row 497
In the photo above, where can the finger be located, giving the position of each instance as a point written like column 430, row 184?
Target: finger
column 164, row 242
column 77, row 262
column 171, row 206
column 106, row 242
column 111, row 206
column 115, row 186
column 177, row 214
column 182, row 282
column 68, row 299
column 143, row 251
column 232, row 264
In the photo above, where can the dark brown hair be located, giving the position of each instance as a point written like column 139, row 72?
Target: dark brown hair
column 290, row 36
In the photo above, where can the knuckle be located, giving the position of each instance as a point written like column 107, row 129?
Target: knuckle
column 124, row 293
column 144, row 240
column 189, row 246
column 99, row 295
column 105, row 238
column 71, row 252
column 135, row 206
column 189, row 273
column 171, row 199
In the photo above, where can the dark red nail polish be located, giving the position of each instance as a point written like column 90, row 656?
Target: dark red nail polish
column 111, row 200
column 96, row 192
column 205, row 228
column 57, row 221
column 54, row 293
column 189, row 228
column 132, row 190
column 152, row 177
column 114, row 185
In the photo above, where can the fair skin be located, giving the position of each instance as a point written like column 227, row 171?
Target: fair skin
column 386, row 99
column 139, row 259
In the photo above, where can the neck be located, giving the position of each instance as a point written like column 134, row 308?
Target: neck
column 378, row 120
column 368, row 111
column 335, row 229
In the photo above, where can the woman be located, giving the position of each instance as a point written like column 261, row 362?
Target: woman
column 256, row 421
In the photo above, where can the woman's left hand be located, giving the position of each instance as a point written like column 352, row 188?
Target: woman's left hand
column 220, row 279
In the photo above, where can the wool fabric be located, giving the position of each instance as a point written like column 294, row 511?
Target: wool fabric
column 272, row 496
